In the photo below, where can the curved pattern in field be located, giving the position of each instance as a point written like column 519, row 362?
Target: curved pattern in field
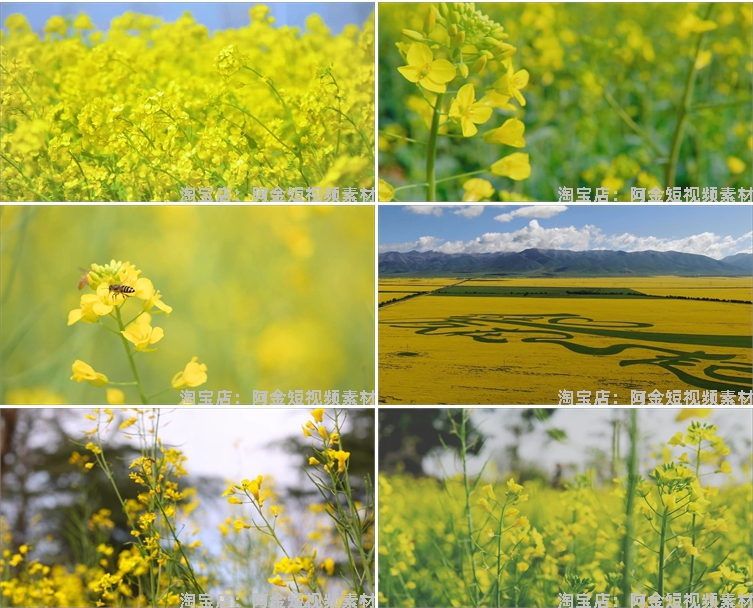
column 721, row 371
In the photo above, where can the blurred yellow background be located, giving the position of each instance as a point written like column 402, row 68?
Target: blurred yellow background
column 267, row 297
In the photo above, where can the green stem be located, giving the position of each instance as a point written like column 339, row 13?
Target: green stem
column 464, row 459
column 692, row 521
column 158, row 394
column 131, row 360
column 632, row 471
column 632, row 124
column 660, row 583
column 431, row 151
column 408, row 139
column 499, row 554
column 469, row 174
column 684, row 110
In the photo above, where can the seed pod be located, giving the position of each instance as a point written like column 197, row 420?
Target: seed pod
column 413, row 35
column 463, row 67
column 479, row 65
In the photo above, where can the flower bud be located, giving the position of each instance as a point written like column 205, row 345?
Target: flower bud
column 505, row 51
column 430, row 21
column 458, row 40
column 413, row 35
column 463, row 67
column 498, row 33
column 443, row 10
column 479, row 65
column 452, row 30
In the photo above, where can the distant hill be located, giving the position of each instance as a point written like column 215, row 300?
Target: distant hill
column 741, row 260
column 562, row 263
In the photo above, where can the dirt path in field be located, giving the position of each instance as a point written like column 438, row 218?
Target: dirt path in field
column 423, row 293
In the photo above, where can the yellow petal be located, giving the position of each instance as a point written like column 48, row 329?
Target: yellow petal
column 466, row 95
column 432, row 85
column 515, row 166
column 419, row 54
column 386, row 193
column 479, row 113
column 410, row 72
column 509, row 134
column 442, row 71
column 469, row 129
column 477, row 189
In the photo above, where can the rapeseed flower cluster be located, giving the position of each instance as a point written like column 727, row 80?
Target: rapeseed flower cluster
column 113, row 284
column 353, row 522
column 463, row 541
column 159, row 563
column 460, row 44
column 149, row 108
column 617, row 97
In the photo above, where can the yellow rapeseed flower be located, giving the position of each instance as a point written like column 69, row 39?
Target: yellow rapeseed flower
column 115, row 397
column 329, row 566
column 511, row 83
column 385, row 191
column 477, row 189
column 468, row 111
column 91, row 308
column 515, row 166
column 56, row 25
column 142, row 334
column 509, row 134
column 513, row 487
column 422, row 68
column 84, row 372
column 194, row 374
column 488, row 489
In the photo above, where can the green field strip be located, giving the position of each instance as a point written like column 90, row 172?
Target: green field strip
column 541, row 292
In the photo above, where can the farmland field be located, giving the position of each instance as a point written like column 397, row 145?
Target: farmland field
column 655, row 520
column 399, row 288
column 486, row 342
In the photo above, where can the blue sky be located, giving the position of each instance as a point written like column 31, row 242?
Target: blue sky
column 713, row 230
column 219, row 15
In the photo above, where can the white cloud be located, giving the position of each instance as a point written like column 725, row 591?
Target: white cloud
column 424, row 209
column 534, row 236
column 706, row 243
column 424, row 243
column 542, row 211
column 470, row 211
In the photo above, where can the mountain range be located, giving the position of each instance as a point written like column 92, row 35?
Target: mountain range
column 559, row 262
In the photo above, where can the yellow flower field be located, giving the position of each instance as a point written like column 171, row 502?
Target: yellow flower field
column 136, row 532
column 722, row 288
column 399, row 288
column 154, row 111
column 509, row 350
column 485, row 540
